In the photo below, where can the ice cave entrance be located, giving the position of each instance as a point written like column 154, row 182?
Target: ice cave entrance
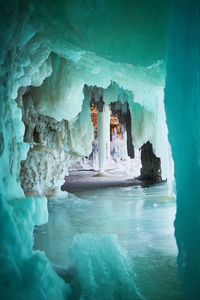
column 113, row 159
column 110, row 146
column 110, row 236
column 114, row 221
column 112, row 224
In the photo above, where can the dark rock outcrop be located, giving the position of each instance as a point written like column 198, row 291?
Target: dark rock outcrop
column 151, row 165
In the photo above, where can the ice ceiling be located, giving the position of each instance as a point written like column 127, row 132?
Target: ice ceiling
column 57, row 47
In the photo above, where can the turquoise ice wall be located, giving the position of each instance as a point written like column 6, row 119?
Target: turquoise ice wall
column 182, row 102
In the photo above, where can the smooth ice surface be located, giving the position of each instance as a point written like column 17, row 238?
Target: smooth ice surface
column 141, row 219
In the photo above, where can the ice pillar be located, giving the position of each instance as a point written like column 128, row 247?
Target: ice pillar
column 103, row 132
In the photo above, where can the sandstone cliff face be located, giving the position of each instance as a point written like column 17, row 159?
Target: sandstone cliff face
column 151, row 164
column 51, row 152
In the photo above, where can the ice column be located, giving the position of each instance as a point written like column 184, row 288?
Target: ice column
column 103, row 132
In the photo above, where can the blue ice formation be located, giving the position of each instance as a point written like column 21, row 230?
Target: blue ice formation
column 103, row 268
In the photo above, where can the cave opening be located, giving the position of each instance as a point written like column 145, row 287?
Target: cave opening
column 90, row 217
column 113, row 153
column 119, row 150
column 92, row 208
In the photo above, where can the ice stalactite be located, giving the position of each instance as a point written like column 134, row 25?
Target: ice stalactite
column 182, row 102
column 81, row 133
column 103, row 132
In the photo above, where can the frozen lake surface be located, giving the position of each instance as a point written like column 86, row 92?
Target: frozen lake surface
column 140, row 219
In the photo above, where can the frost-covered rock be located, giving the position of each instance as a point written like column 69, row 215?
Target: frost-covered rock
column 54, row 147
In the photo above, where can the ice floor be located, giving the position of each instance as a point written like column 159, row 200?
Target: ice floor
column 142, row 221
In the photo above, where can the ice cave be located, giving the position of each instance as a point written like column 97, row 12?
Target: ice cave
column 100, row 149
